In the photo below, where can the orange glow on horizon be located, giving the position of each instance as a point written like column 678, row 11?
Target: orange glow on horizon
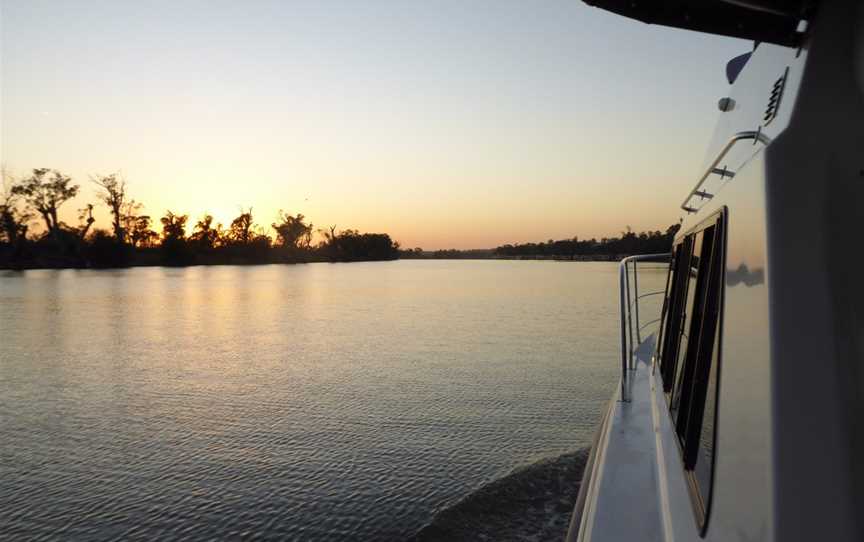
column 467, row 132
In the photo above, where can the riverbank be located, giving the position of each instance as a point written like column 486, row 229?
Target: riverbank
column 103, row 252
column 489, row 255
column 155, row 260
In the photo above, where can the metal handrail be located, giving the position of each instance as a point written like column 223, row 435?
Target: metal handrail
column 646, row 324
column 628, row 310
column 756, row 136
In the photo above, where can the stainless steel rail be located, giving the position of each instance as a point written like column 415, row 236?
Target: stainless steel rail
column 646, row 324
column 757, row 137
column 630, row 310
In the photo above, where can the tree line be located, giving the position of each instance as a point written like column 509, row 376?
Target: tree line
column 650, row 242
column 607, row 248
column 136, row 238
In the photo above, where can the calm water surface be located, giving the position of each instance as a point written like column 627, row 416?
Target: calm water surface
column 321, row 401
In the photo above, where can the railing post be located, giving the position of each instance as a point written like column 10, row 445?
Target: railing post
column 629, row 314
column 623, row 295
column 636, row 300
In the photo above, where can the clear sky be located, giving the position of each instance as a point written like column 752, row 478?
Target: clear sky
column 444, row 123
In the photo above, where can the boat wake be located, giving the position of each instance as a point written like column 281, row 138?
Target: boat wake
column 533, row 502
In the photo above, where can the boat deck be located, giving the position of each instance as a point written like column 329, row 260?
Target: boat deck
column 624, row 481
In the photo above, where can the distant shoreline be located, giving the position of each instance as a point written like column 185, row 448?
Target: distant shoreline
column 544, row 257
column 154, row 262
column 131, row 241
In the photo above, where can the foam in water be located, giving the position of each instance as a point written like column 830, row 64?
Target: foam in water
column 534, row 502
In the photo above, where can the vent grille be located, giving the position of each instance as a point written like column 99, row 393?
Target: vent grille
column 774, row 100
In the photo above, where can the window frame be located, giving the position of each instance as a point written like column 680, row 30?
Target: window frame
column 703, row 351
column 671, row 327
column 695, row 329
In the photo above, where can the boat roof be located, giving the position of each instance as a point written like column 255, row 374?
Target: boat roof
column 773, row 21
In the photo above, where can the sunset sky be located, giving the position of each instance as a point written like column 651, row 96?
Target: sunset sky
column 446, row 123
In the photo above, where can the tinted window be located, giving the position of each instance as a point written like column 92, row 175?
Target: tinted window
column 697, row 289
column 690, row 353
column 673, row 316
column 689, row 318
column 705, row 456
column 667, row 303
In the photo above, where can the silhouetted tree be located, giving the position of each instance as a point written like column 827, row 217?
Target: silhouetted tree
column 140, row 232
column 85, row 219
column 240, row 231
column 245, row 242
column 131, row 220
column 328, row 244
column 112, row 192
column 205, row 236
column 174, row 248
column 173, row 227
column 13, row 227
column 45, row 191
column 292, row 232
column 13, row 221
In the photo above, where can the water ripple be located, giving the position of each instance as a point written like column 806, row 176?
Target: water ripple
column 319, row 402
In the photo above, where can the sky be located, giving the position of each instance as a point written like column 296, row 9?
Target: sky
column 443, row 123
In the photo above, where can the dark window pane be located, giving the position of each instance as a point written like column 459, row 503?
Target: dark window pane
column 686, row 323
column 690, row 389
column 668, row 314
column 673, row 328
column 705, row 457
column 689, row 352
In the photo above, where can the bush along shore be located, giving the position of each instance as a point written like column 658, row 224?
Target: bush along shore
column 135, row 238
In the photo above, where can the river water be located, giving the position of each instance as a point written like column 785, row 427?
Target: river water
column 308, row 402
